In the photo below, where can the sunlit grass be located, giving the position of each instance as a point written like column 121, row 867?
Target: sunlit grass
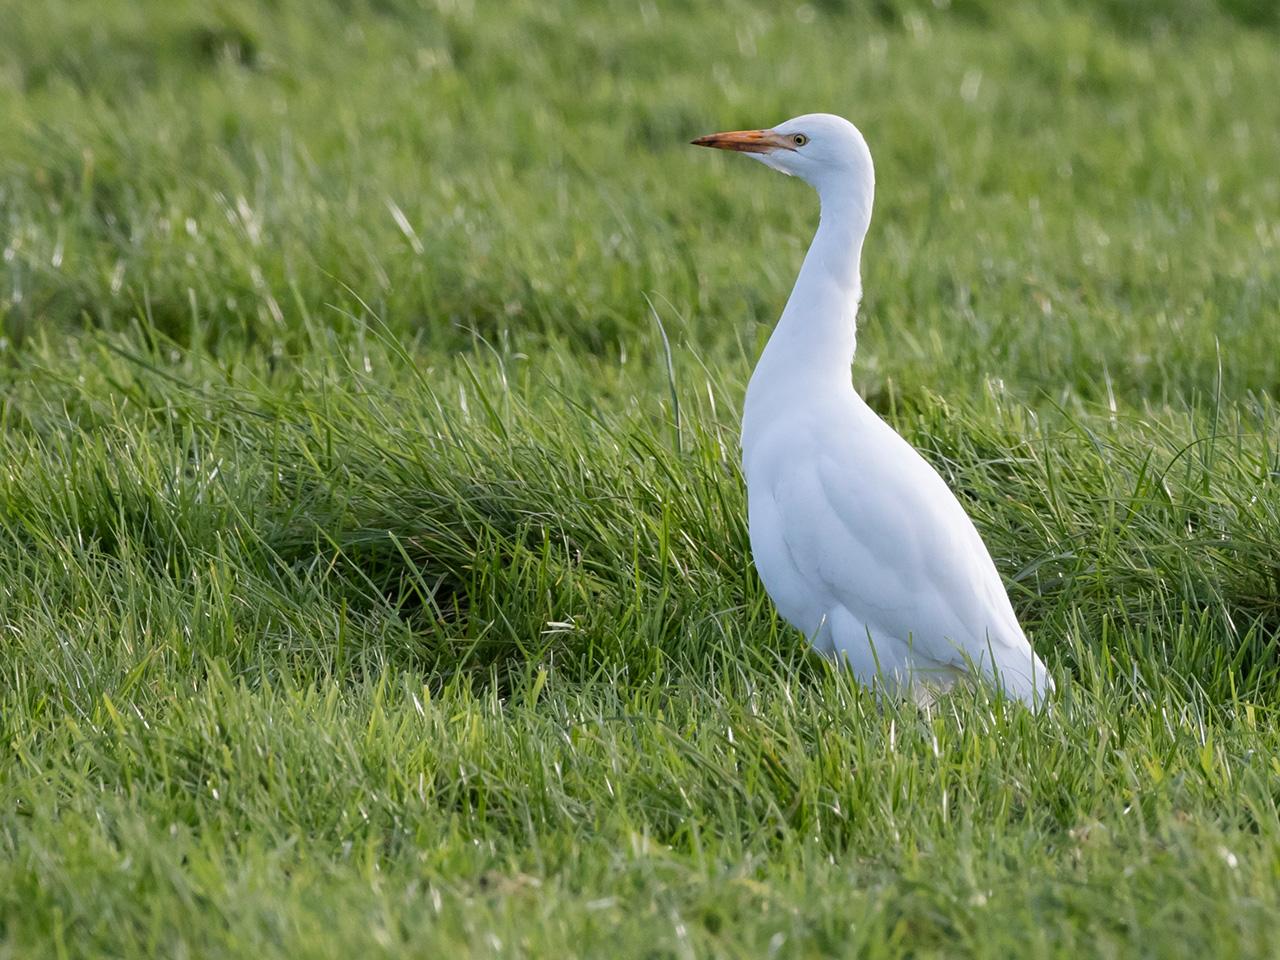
column 370, row 586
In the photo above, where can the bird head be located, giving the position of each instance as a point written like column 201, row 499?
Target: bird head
column 825, row 151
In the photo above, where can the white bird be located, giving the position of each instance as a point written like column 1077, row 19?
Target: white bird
column 858, row 540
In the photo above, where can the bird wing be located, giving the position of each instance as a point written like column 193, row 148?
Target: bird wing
column 871, row 526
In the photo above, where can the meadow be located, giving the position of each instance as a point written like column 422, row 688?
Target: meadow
column 374, row 577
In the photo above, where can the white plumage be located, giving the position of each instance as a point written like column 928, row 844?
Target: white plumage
column 857, row 538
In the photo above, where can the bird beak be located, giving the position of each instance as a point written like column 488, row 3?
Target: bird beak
column 743, row 141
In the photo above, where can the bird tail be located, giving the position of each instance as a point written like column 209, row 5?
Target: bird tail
column 1020, row 674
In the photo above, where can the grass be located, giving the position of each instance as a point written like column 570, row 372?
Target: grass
column 369, row 585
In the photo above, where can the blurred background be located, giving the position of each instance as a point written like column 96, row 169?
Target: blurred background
column 1078, row 195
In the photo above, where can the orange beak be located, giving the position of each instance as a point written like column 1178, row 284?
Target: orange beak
column 744, row 141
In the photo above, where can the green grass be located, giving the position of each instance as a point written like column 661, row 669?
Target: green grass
column 368, row 587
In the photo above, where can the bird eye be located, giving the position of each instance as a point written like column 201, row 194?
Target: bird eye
column 799, row 139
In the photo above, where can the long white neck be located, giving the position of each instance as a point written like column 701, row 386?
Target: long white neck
column 811, row 349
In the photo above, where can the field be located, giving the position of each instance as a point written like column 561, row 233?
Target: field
column 374, row 578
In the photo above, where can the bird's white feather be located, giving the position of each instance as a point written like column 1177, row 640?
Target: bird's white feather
column 863, row 547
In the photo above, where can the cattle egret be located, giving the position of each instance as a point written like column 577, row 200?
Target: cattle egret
column 857, row 539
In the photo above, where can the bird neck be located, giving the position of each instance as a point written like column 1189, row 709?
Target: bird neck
column 813, row 344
